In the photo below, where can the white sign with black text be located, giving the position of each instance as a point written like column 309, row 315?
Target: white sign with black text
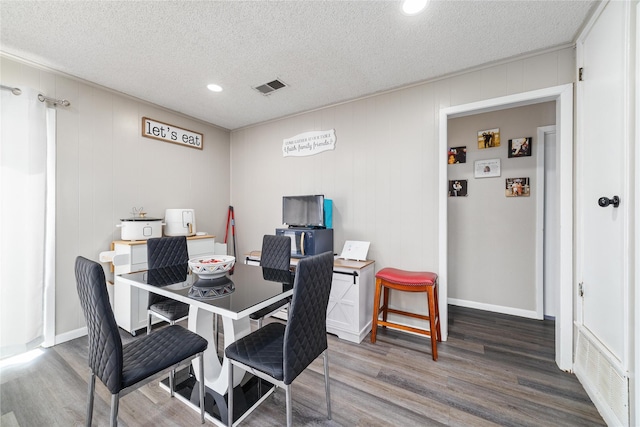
column 170, row 133
column 309, row 143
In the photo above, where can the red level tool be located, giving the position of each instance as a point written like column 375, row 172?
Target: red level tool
column 231, row 219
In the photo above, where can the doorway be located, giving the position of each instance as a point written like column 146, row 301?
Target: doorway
column 496, row 232
column 563, row 97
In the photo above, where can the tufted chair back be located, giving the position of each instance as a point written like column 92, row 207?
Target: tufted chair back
column 165, row 252
column 105, row 345
column 276, row 252
column 305, row 337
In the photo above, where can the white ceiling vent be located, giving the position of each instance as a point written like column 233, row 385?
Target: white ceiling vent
column 270, row 87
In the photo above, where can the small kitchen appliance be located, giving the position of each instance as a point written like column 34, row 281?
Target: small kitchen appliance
column 307, row 241
column 140, row 228
column 179, row 222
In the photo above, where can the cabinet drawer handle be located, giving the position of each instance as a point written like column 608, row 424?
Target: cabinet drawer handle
column 353, row 273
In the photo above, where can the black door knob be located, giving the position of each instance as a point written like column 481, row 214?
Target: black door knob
column 605, row 201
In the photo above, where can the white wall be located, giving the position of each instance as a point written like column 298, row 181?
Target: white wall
column 492, row 238
column 383, row 173
column 105, row 168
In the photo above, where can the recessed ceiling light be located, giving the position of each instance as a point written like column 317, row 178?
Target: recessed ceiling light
column 214, row 88
column 411, row 7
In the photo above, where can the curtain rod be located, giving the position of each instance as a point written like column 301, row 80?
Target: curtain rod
column 41, row 97
column 54, row 101
column 13, row 90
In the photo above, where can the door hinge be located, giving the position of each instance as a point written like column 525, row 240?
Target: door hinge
column 580, row 74
column 581, row 289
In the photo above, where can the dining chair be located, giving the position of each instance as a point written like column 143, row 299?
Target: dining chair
column 275, row 255
column 278, row 353
column 118, row 366
column 166, row 252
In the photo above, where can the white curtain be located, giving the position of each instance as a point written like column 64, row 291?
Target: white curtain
column 23, row 220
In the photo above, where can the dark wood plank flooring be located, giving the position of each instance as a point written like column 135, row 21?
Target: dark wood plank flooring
column 493, row 370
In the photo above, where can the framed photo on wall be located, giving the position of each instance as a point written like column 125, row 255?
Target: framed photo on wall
column 488, row 138
column 457, row 155
column 517, row 187
column 458, row 188
column 487, row 168
column 520, row 147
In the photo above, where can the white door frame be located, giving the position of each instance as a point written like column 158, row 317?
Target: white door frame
column 563, row 97
column 541, row 234
column 635, row 383
column 544, row 232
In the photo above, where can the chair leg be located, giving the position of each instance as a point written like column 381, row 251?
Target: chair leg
column 148, row 323
column 325, row 357
column 376, row 312
column 115, row 400
column 259, row 387
column 287, row 390
column 172, row 376
column 92, row 390
column 230, row 396
column 260, row 323
column 201, row 361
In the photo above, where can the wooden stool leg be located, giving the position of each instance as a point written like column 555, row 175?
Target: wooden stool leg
column 376, row 311
column 432, row 322
column 437, row 303
column 385, row 304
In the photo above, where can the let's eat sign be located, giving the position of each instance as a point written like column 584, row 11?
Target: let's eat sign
column 170, row 133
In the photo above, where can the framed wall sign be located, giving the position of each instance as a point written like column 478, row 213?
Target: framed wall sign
column 487, row 168
column 170, row 133
column 309, row 143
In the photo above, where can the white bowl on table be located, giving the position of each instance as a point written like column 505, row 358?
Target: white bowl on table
column 212, row 266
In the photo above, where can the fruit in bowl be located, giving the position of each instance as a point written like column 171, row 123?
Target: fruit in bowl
column 211, row 267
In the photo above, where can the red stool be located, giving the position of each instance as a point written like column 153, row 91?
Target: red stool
column 408, row 281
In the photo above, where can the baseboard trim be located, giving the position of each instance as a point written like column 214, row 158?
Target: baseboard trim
column 71, row 335
column 530, row 314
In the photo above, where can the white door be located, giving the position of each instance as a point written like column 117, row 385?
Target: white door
column 602, row 171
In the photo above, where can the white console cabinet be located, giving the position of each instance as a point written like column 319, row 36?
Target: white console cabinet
column 350, row 309
column 129, row 303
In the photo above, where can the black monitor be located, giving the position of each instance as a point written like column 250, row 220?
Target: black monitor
column 303, row 211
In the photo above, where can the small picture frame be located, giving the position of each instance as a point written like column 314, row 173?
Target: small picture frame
column 457, row 155
column 488, row 138
column 458, row 188
column 517, row 187
column 520, row 147
column 487, row 168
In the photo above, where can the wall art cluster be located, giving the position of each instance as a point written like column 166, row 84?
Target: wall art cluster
column 491, row 168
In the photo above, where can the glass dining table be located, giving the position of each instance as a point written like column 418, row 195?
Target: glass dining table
column 233, row 297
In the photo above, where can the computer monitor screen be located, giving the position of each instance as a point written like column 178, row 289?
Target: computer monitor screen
column 303, row 211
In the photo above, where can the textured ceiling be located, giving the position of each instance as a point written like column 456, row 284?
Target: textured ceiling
column 166, row 52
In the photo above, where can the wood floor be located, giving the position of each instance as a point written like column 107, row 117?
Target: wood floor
column 493, row 370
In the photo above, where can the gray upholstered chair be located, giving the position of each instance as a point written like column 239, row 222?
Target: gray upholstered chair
column 118, row 366
column 279, row 353
column 275, row 255
column 166, row 252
